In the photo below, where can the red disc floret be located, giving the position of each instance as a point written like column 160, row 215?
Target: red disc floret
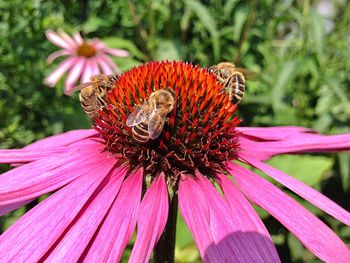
column 199, row 133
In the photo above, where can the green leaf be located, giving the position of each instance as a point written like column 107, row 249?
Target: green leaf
column 285, row 75
column 298, row 252
column 185, row 247
column 126, row 63
column 344, row 165
column 167, row 49
column 93, row 24
column 239, row 20
column 208, row 22
column 308, row 169
column 261, row 212
column 317, row 33
column 334, row 85
column 228, row 7
column 183, row 235
column 117, row 42
column 188, row 253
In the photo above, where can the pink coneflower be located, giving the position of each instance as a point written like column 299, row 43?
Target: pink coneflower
column 105, row 184
column 85, row 58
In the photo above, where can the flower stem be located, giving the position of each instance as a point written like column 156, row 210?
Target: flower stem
column 165, row 249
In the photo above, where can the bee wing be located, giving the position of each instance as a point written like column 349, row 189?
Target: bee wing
column 81, row 86
column 94, row 79
column 156, row 124
column 137, row 116
column 248, row 74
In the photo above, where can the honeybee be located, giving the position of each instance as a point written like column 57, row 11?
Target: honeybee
column 92, row 93
column 232, row 78
column 147, row 121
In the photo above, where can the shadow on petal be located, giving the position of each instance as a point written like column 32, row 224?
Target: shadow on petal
column 238, row 237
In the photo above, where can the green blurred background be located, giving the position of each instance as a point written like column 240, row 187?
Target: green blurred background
column 299, row 49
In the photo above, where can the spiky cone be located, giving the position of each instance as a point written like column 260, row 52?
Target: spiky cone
column 199, row 135
column 109, row 183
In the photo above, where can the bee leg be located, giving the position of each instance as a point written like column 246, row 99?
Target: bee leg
column 222, row 90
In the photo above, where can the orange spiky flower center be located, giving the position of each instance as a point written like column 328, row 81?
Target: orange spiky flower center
column 199, row 134
column 86, row 50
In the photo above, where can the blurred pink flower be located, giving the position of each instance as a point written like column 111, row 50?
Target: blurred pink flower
column 98, row 176
column 85, row 58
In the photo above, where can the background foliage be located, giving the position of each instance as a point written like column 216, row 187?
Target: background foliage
column 300, row 50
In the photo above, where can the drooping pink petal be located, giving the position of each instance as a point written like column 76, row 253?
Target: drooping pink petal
column 77, row 238
column 296, row 143
column 78, row 39
column 111, row 241
column 195, row 211
column 104, row 66
column 73, row 75
column 25, row 156
column 116, row 52
column 152, row 218
column 110, row 62
column 94, row 67
column 8, row 208
column 63, row 67
column 299, row 143
column 57, row 54
column 62, row 139
column 301, row 189
column 48, row 174
column 272, row 133
column 68, row 39
column 33, row 234
column 312, row 232
column 245, row 218
column 247, row 146
column 244, row 246
column 97, row 44
column 87, row 72
column 56, row 39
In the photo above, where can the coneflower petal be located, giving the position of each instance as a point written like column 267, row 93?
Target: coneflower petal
column 116, row 52
column 76, row 239
column 110, row 62
column 56, row 39
column 242, row 245
column 245, row 218
column 77, row 38
column 36, row 232
column 110, row 242
column 67, row 38
column 8, row 208
column 272, row 133
column 59, row 53
column 311, row 231
column 307, row 142
column 96, row 43
column 46, row 175
column 73, row 75
column 94, row 66
column 152, row 218
column 87, row 72
column 62, row 68
column 247, row 146
column 61, row 139
column 196, row 213
column 25, row 156
column 104, row 66
column 305, row 191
